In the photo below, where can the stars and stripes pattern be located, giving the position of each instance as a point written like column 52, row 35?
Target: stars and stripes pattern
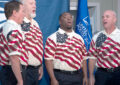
column 61, row 37
column 101, row 38
column 15, row 45
column 12, row 45
column 71, row 52
column 25, row 26
column 3, row 50
column 108, row 54
column 34, row 42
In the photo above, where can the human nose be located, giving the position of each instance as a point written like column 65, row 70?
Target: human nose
column 34, row 6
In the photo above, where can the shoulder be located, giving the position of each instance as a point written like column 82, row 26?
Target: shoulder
column 117, row 30
column 96, row 35
column 77, row 36
column 35, row 23
column 52, row 37
column 7, row 27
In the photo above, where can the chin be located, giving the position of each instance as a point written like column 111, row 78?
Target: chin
column 69, row 27
column 33, row 15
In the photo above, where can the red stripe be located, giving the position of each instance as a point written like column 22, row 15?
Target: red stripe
column 47, row 51
column 67, row 57
column 3, row 64
column 24, row 53
column 34, row 47
column 66, row 51
column 103, row 63
column 37, row 29
column 38, row 57
column 37, row 33
column 99, row 64
column 67, row 63
column 111, row 46
column 92, row 52
column 51, row 41
column 4, row 59
column 23, row 59
column 71, row 48
column 34, row 37
column 36, row 51
column 37, row 42
column 16, row 34
column 114, row 42
column 3, row 51
column 109, row 53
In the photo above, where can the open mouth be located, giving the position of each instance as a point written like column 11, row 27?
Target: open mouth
column 105, row 23
column 69, row 22
column 34, row 11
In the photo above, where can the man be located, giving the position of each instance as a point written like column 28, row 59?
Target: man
column 64, row 54
column 13, row 57
column 105, row 53
column 33, row 43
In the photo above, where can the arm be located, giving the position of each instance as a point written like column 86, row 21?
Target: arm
column 49, row 67
column 91, row 70
column 85, row 79
column 40, row 72
column 14, row 38
column 15, row 64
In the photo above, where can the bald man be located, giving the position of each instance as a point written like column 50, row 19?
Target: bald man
column 105, row 53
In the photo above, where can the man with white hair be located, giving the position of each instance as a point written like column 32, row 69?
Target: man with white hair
column 105, row 53
column 33, row 43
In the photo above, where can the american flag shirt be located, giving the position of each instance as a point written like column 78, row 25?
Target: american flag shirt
column 67, row 53
column 106, row 49
column 33, row 42
column 11, row 43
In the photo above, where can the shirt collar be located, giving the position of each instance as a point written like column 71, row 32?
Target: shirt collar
column 13, row 22
column 28, row 21
column 17, row 26
column 114, row 32
column 70, row 34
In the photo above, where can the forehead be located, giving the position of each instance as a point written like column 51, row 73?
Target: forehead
column 109, row 13
column 29, row 1
column 66, row 14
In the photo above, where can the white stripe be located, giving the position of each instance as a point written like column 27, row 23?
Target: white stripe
column 3, row 1
column 70, row 61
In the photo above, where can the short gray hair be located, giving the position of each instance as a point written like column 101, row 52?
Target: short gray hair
column 22, row 1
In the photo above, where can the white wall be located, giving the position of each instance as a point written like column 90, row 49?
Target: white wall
column 105, row 5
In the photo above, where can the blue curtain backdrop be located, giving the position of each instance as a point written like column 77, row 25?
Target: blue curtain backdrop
column 48, row 12
column 83, row 26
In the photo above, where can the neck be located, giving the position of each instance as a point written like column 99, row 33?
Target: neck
column 67, row 29
column 29, row 18
column 14, row 19
column 110, row 30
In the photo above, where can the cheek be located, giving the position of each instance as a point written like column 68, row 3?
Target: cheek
column 21, row 16
column 28, row 9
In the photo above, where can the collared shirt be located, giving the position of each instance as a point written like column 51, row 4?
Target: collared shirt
column 66, row 55
column 11, row 43
column 108, row 54
column 34, row 43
